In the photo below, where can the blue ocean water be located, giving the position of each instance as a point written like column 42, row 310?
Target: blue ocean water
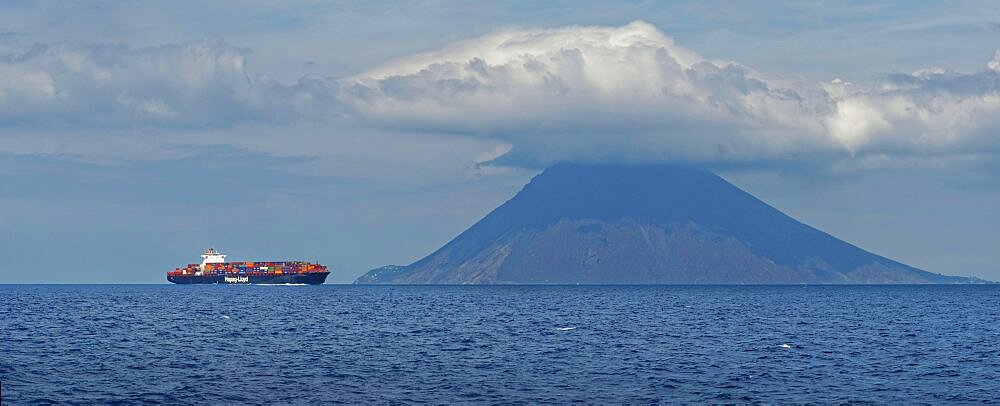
column 532, row 344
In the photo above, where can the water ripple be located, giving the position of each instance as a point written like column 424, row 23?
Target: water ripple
column 501, row 344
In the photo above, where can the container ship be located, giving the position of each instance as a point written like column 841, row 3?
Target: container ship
column 214, row 269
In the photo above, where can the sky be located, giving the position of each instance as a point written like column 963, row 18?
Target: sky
column 135, row 134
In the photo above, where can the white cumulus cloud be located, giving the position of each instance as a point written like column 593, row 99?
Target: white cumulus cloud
column 631, row 93
column 590, row 93
column 196, row 84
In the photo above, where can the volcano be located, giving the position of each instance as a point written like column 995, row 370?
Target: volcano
column 645, row 224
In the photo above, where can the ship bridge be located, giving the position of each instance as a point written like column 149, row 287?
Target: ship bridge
column 211, row 256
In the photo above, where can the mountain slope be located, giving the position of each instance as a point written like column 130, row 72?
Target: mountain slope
column 644, row 224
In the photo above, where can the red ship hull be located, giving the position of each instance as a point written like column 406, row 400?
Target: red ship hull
column 312, row 278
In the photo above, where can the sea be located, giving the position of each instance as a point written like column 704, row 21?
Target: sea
column 186, row 344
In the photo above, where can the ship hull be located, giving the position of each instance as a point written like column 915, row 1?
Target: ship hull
column 312, row 278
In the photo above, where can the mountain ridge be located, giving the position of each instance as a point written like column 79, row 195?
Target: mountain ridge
column 645, row 224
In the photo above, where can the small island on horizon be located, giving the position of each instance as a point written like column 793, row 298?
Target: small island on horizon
column 646, row 224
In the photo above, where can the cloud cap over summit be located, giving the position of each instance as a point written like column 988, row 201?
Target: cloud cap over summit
column 631, row 94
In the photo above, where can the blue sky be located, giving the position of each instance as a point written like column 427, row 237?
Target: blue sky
column 133, row 135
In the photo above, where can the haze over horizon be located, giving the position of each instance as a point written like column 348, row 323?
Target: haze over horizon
column 133, row 135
